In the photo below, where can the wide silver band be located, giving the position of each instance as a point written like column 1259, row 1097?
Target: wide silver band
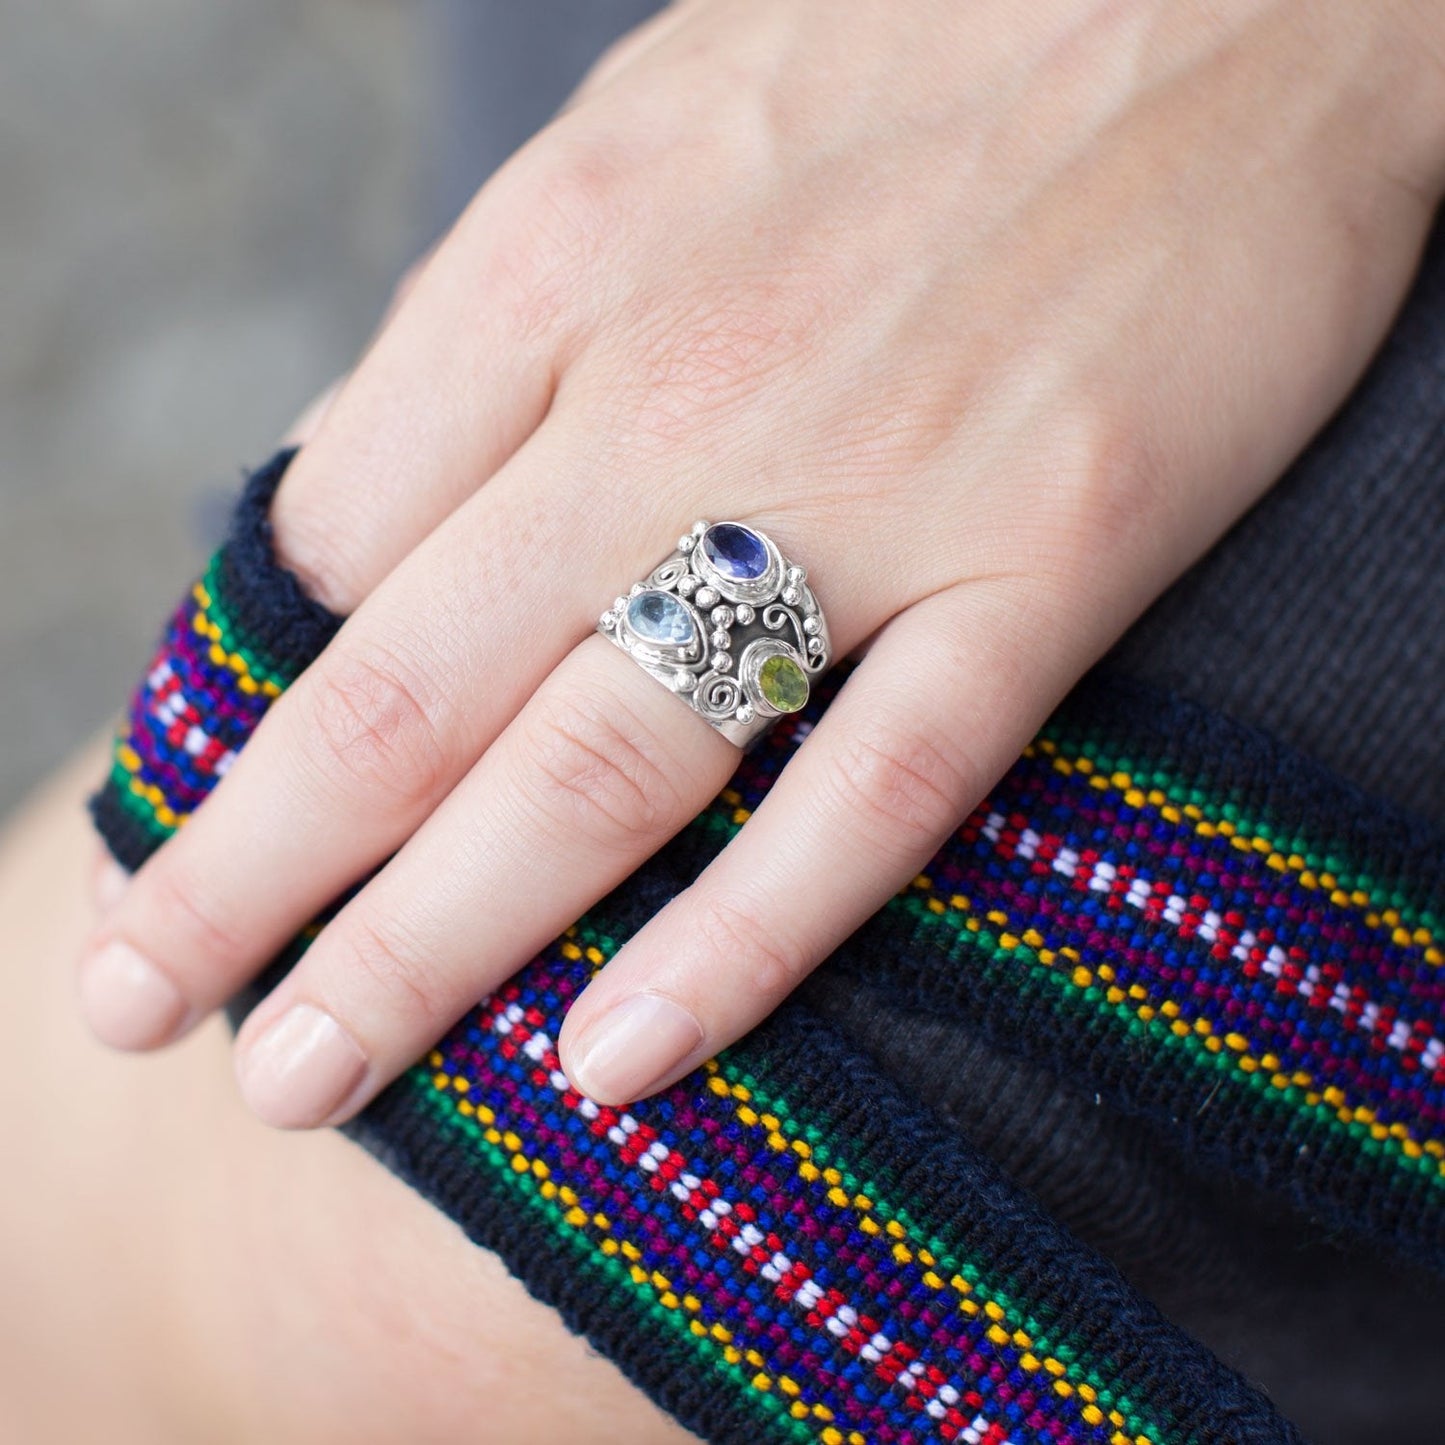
column 728, row 624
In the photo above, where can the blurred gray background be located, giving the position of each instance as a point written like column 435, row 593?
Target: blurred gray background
column 202, row 211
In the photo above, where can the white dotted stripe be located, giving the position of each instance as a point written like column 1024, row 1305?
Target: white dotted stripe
column 915, row 1376
column 169, row 705
column 1139, row 891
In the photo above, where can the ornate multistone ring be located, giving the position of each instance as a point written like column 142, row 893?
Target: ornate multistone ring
column 728, row 624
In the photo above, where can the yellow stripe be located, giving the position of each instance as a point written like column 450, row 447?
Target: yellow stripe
column 612, row 1242
column 1032, row 943
column 248, row 682
column 129, row 759
column 905, row 1246
column 1213, row 825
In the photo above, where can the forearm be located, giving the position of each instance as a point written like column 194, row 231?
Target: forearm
column 230, row 1283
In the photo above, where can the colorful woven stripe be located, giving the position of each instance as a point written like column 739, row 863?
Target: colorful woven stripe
column 783, row 1246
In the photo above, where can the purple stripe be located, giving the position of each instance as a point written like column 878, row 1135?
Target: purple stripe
column 1332, row 1052
column 584, row 1169
column 1084, row 817
column 817, row 1219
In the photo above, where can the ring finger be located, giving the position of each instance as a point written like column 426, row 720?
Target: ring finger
column 600, row 768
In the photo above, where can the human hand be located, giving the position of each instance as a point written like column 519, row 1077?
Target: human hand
column 993, row 316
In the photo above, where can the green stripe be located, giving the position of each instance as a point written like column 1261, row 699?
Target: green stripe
column 734, row 1062
column 1085, row 741
column 1068, row 1353
column 1090, row 1003
column 138, row 808
column 233, row 638
column 1109, row 1398
column 614, row 1272
column 1058, row 729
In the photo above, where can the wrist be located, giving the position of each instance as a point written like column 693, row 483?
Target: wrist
column 1411, row 87
column 1366, row 81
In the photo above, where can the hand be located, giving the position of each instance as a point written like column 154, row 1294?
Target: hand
column 993, row 316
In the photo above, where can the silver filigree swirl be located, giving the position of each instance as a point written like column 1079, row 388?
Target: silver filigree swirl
column 667, row 574
column 718, row 696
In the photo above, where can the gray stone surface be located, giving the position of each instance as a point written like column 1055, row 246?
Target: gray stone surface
column 202, row 211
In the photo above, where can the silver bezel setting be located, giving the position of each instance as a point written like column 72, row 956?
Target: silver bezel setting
column 739, row 589
column 663, row 653
column 751, row 665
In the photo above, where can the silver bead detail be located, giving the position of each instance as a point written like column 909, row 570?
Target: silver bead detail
column 815, row 646
column 722, row 639
column 687, row 584
column 790, row 596
column 722, row 617
column 812, row 626
column 707, row 597
column 745, row 614
column 683, row 680
column 721, row 661
column 687, row 543
column 744, row 714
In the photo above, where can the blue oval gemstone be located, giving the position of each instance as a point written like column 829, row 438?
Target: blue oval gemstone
column 735, row 551
column 659, row 617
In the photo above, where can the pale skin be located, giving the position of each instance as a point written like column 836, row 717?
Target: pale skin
column 175, row 1271
column 994, row 316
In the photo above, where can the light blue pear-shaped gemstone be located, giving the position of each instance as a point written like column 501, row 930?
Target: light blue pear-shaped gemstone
column 658, row 617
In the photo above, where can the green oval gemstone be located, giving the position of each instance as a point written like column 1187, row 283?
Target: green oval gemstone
column 783, row 684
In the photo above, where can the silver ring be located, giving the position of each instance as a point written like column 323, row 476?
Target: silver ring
column 728, row 624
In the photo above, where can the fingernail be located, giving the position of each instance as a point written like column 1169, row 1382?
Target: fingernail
column 301, row 1070
column 634, row 1046
column 127, row 1001
column 109, row 884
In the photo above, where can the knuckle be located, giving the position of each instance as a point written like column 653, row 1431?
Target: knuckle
column 386, row 962
column 592, row 766
column 550, row 215
column 376, row 726
column 901, row 789
column 197, row 928
column 769, row 963
column 1101, row 491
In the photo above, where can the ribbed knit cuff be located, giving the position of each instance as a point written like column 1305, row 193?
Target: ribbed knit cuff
column 1171, row 910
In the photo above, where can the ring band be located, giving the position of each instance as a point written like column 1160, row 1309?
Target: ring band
column 727, row 623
